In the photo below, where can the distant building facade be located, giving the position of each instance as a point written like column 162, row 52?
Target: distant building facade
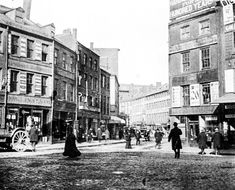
column 151, row 109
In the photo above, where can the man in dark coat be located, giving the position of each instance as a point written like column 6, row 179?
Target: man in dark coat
column 137, row 136
column 33, row 135
column 174, row 136
column 202, row 139
column 217, row 141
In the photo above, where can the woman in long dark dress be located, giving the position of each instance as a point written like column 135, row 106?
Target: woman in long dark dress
column 70, row 148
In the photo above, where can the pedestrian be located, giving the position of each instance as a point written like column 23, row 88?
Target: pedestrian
column 202, row 139
column 174, row 136
column 209, row 138
column 89, row 135
column 33, row 135
column 137, row 136
column 158, row 138
column 128, row 139
column 99, row 134
column 70, row 148
column 217, row 141
column 107, row 134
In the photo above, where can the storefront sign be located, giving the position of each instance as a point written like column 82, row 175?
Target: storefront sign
column 34, row 101
column 194, row 95
column 182, row 7
column 230, row 116
column 211, row 118
column 209, row 40
column 228, row 14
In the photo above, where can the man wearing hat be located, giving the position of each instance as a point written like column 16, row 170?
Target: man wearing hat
column 217, row 140
column 174, row 136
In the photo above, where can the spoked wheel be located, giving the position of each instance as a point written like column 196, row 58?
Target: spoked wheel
column 20, row 141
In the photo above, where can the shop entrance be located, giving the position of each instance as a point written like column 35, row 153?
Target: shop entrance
column 231, row 132
column 193, row 132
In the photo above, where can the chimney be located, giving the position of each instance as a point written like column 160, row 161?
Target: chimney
column 91, row 45
column 67, row 31
column 27, row 8
column 75, row 33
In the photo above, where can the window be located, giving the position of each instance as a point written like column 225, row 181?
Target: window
column 90, row 82
column 205, row 55
column 44, row 52
column 44, row 86
column 185, row 32
column 185, row 61
column 206, row 93
column 204, row 27
column 29, row 83
column 72, row 64
column 14, row 44
column 84, row 59
column 1, row 36
column 90, row 62
column 56, row 53
column 30, row 49
column 95, row 65
column 64, row 61
column 64, row 92
column 56, row 87
column 71, row 93
column 14, row 81
column 186, row 95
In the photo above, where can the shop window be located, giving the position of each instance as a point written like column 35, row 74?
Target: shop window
column 206, row 97
column 30, row 48
column 44, row 86
column 14, row 81
column 15, row 45
column 29, row 83
column 185, row 32
column 186, row 95
column 205, row 58
column 56, row 53
column 44, row 52
column 185, row 61
column 204, row 27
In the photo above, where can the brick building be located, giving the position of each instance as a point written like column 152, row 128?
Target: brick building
column 25, row 71
column 201, row 66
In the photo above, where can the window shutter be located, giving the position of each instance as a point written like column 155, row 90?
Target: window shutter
column 49, row 86
column 38, row 84
column 9, row 43
column 50, row 54
column 8, row 80
column 23, row 46
column 22, row 82
column 214, row 90
column 38, row 50
column 176, row 96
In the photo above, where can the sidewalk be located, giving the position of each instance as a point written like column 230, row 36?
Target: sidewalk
column 165, row 147
column 60, row 146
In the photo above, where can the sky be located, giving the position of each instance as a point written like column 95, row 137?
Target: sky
column 139, row 28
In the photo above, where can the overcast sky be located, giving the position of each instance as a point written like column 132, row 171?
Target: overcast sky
column 139, row 28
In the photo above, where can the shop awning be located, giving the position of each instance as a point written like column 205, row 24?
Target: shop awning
column 115, row 119
column 227, row 98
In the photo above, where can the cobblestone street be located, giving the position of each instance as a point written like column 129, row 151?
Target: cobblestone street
column 118, row 170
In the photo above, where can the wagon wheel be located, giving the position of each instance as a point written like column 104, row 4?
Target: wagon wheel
column 20, row 141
